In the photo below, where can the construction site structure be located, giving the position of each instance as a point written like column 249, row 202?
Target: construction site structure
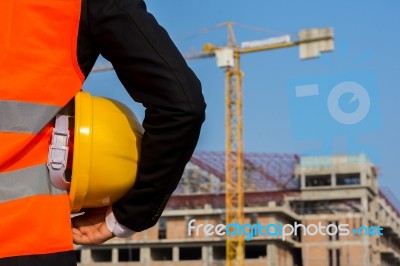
column 279, row 188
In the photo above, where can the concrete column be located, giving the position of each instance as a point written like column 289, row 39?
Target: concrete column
column 114, row 255
column 86, row 256
column 272, row 255
column 145, row 258
column 365, row 207
column 364, row 222
column 303, row 181
column 175, row 253
column 305, row 255
column 363, row 179
column 289, row 258
column 206, row 255
column 333, row 179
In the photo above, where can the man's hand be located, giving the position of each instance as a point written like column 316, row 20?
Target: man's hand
column 90, row 228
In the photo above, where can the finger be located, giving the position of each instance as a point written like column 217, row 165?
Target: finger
column 81, row 239
column 77, row 236
column 76, row 231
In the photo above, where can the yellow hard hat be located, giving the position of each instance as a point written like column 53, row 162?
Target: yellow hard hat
column 106, row 149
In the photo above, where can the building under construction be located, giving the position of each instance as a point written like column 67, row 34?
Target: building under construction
column 332, row 192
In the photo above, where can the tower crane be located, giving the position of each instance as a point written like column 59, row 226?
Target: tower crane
column 311, row 43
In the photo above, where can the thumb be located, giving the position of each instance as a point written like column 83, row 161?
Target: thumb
column 90, row 228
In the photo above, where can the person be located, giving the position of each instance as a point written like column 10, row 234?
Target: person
column 38, row 78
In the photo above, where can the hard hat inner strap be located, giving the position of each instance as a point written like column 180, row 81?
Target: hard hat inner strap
column 58, row 153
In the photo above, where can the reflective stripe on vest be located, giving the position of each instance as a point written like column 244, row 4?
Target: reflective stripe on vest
column 26, row 182
column 39, row 74
column 25, row 117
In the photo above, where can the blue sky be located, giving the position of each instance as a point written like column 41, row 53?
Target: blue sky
column 367, row 42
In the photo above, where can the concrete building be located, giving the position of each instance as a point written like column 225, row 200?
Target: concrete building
column 333, row 203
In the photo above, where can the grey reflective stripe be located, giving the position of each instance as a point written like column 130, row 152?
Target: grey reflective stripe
column 25, row 117
column 26, row 182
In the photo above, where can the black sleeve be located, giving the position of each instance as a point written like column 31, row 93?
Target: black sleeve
column 155, row 74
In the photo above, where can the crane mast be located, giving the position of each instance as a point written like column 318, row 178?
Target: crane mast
column 234, row 194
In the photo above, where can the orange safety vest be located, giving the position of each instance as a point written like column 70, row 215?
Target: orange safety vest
column 39, row 74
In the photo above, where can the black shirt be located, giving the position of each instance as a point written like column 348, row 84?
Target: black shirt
column 155, row 74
